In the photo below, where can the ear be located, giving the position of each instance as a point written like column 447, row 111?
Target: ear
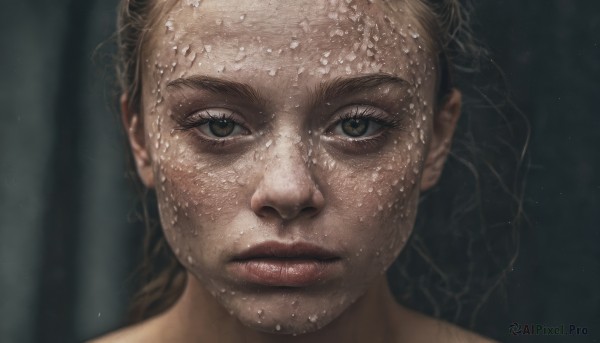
column 133, row 124
column 444, row 124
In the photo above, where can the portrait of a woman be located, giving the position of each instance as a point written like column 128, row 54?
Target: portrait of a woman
column 287, row 144
column 309, row 171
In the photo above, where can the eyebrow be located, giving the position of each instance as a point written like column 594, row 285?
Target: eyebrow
column 340, row 86
column 332, row 89
column 218, row 86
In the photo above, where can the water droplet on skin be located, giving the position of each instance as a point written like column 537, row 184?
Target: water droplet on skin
column 351, row 56
column 208, row 48
column 242, row 17
column 294, row 44
column 313, row 318
column 193, row 3
column 324, row 70
column 169, row 25
column 278, row 327
column 260, row 313
column 336, row 32
column 273, row 72
column 240, row 55
column 190, row 260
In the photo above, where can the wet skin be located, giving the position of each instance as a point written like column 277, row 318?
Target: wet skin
column 289, row 122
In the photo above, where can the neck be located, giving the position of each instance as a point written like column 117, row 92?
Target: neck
column 198, row 317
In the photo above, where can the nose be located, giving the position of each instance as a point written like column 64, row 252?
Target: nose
column 287, row 189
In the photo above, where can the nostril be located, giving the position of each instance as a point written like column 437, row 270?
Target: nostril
column 309, row 211
column 268, row 211
column 286, row 214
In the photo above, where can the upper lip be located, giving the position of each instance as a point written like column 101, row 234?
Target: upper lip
column 282, row 250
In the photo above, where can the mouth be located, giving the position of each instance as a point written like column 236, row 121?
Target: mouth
column 285, row 265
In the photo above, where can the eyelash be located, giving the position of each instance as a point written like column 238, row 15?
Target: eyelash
column 372, row 114
column 187, row 125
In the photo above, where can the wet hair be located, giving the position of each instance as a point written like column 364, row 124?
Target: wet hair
column 465, row 238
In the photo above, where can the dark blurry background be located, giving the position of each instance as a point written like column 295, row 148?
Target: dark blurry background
column 68, row 241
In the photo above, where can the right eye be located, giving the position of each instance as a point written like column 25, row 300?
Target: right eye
column 214, row 124
column 219, row 128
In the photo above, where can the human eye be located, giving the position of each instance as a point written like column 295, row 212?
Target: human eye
column 214, row 125
column 362, row 125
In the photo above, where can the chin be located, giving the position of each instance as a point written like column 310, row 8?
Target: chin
column 286, row 313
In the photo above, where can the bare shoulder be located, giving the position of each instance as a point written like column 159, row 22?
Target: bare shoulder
column 428, row 329
column 147, row 331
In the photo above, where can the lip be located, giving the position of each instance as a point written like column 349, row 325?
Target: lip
column 285, row 265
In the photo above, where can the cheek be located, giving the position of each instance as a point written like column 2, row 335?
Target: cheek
column 376, row 201
column 193, row 192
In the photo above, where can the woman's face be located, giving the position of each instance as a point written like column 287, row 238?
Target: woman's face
column 286, row 142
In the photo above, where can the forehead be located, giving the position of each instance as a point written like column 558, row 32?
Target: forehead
column 324, row 37
column 280, row 17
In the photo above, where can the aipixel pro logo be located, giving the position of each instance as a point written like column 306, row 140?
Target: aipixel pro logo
column 529, row 329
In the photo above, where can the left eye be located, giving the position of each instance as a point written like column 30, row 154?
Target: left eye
column 216, row 124
column 219, row 127
column 356, row 127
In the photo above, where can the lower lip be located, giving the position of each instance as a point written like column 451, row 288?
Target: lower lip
column 284, row 272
